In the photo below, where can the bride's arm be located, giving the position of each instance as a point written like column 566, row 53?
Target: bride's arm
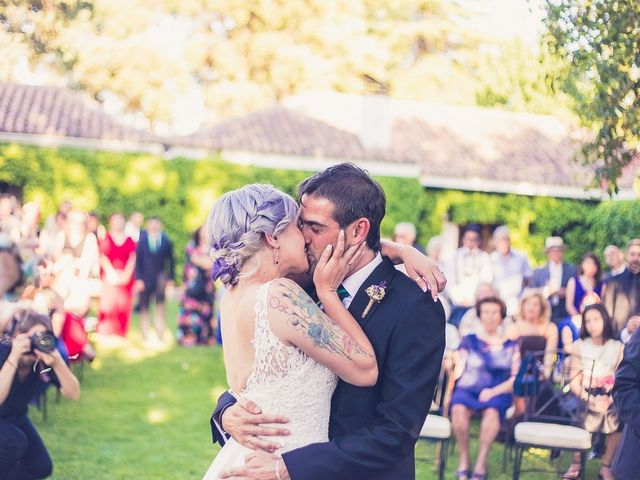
column 338, row 342
column 419, row 267
column 333, row 337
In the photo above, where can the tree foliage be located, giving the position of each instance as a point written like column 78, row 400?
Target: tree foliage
column 601, row 40
column 236, row 55
column 225, row 57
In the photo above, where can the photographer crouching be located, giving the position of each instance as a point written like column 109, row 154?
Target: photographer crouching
column 28, row 359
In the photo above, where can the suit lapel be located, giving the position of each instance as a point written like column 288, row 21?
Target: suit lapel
column 565, row 274
column 383, row 273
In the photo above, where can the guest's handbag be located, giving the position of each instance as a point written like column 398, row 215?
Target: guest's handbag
column 527, row 381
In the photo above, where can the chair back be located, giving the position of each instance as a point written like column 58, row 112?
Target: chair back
column 444, row 388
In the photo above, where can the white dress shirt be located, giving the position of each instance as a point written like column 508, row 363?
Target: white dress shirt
column 555, row 275
column 354, row 281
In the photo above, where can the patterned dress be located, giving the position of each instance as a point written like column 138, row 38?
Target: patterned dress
column 486, row 367
column 196, row 306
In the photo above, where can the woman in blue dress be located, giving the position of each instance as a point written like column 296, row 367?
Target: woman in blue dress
column 583, row 290
column 487, row 363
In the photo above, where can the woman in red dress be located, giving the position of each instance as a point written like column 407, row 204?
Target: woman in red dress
column 117, row 263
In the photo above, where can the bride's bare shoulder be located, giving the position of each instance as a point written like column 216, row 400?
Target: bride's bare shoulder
column 284, row 288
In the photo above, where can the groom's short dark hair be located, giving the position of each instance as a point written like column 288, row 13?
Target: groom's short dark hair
column 354, row 195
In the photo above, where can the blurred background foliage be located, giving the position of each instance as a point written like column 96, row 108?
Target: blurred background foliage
column 240, row 56
column 182, row 191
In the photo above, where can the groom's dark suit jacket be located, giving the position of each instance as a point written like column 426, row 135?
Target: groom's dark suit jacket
column 626, row 394
column 373, row 430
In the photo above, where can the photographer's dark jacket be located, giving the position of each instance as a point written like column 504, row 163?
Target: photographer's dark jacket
column 22, row 392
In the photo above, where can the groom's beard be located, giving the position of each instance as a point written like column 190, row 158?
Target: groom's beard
column 313, row 262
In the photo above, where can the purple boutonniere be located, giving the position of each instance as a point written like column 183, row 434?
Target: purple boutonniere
column 376, row 294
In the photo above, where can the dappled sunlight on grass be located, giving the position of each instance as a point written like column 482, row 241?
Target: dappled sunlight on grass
column 157, row 416
column 132, row 349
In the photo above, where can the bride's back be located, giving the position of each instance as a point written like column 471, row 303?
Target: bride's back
column 238, row 315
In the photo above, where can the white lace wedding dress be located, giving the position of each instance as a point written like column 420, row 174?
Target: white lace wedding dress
column 287, row 382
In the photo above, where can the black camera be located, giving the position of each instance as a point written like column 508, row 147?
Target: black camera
column 43, row 341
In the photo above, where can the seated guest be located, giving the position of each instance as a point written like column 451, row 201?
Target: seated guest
column 470, row 322
column 596, row 357
column 569, row 328
column 622, row 296
column 511, row 270
column 535, row 332
column 22, row 452
column 553, row 277
column 405, row 233
column 487, row 362
column 586, row 281
column 470, row 266
column 534, row 329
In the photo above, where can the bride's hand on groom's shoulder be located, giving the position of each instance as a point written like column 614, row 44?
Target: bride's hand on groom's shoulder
column 424, row 271
column 247, row 425
column 334, row 264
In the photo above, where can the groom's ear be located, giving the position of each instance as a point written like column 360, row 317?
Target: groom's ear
column 358, row 231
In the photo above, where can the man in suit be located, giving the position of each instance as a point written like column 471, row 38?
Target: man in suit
column 554, row 276
column 154, row 275
column 372, row 430
column 626, row 395
column 622, row 296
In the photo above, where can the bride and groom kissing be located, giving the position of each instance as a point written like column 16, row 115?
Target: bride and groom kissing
column 335, row 382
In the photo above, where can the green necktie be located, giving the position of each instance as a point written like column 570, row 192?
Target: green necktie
column 342, row 293
column 153, row 243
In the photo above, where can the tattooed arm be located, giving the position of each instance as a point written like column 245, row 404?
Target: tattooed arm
column 338, row 343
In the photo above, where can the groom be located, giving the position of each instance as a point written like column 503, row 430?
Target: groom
column 373, row 430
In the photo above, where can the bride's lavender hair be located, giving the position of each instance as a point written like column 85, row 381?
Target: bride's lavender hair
column 238, row 223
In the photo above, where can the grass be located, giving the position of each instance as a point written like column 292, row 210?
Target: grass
column 144, row 414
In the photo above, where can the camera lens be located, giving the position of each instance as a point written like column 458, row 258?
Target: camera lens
column 43, row 341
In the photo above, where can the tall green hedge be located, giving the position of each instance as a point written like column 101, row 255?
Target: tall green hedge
column 181, row 191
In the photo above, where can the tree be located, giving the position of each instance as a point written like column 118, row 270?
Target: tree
column 601, row 40
column 238, row 56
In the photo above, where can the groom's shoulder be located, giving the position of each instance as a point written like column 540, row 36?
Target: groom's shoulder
column 409, row 294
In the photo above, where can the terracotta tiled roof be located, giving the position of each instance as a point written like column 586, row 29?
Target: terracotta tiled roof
column 279, row 130
column 481, row 143
column 444, row 141
column 441, row 141
column 60, row 112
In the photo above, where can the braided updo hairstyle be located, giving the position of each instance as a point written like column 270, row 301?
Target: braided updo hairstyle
column 238, row 223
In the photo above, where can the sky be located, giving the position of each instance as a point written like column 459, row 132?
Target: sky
column 507, row 19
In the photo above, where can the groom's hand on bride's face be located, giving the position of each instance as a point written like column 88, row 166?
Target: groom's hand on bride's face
column 248, row 426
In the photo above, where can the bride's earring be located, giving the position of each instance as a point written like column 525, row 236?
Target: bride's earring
column 276, row 256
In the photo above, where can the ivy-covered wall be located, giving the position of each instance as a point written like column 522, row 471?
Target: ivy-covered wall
column 181, row 191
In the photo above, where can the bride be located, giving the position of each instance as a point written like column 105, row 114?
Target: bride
column 281, row 350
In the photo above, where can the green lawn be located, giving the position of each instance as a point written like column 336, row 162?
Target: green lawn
column 144, row 414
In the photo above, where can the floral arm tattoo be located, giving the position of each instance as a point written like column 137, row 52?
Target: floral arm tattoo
column 303, row 314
